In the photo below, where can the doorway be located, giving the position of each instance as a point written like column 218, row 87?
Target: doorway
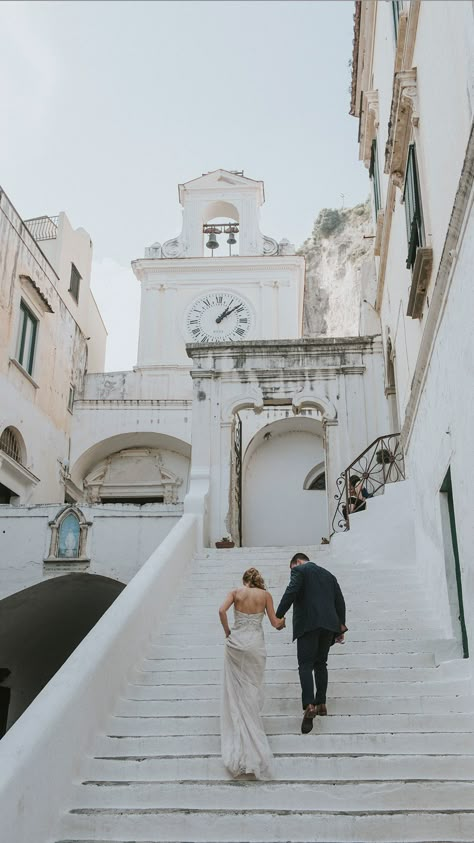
column 452, row 563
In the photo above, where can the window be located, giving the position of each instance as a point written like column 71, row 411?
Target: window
column 27, row 338
column 70, row 402
column 319, row 483
column 74, row 282
column 374, row 174
column 10, row 445
column 397, row 6
column 413, row 212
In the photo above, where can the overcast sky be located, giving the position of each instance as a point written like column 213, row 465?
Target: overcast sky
column 107, row 106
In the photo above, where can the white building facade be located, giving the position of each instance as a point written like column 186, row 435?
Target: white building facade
column 413, row 92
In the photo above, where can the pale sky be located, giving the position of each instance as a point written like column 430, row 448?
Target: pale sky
column 107, row 106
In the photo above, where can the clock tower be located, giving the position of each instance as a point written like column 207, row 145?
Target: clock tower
column 219, row 281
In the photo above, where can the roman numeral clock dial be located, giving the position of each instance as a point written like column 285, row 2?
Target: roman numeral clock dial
column 218, row 317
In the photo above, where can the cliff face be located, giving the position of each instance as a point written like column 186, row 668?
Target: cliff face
column 340, row 273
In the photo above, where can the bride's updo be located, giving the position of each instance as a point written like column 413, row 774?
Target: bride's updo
column 253, row 578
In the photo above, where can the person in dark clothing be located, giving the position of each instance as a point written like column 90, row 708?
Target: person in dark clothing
column 319, row 619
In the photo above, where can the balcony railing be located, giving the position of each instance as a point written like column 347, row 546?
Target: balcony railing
column 382, row 462
column 43, row 228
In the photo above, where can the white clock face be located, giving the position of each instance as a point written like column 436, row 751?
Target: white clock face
column 218, row 317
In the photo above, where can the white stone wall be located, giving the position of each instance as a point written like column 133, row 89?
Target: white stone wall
column 120, row 539
column 442, row 437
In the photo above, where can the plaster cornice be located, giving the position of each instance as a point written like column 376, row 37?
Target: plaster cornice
column 146, row 267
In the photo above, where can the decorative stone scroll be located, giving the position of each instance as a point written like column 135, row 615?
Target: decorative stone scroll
column 403, row 116
column 172, row 248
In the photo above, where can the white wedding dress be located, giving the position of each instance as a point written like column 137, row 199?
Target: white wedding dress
column 244, row 744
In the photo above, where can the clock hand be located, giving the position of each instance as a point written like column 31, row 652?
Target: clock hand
column 222, row 315
column 227, row 312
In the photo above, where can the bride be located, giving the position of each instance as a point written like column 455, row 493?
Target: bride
column 244, row 744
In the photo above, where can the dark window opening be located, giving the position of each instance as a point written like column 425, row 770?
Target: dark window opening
column 27, row 338
column 413, row 211
column 138, row 501
column 319, row 483
column 374, row 174
column 397, row 6
column 74, row 282
column 6, row 494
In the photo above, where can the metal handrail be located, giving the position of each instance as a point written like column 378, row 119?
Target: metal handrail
column 380, row 463
column 43, row 228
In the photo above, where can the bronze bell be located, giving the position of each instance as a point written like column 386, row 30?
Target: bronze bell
column 212, row 242
column 231, row 239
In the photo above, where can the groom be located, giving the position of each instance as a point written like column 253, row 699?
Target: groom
column 319, row 619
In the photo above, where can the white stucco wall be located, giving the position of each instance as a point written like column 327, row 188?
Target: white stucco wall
column 277, row 510
column 121, row 537
column 442, row 437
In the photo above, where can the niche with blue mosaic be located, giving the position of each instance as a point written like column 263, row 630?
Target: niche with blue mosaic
column 69, row 536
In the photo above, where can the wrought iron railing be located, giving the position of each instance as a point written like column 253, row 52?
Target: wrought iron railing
column 43, row 228
column 382, row 462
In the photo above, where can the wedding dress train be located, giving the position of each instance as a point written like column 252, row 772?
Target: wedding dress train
column 244, row 744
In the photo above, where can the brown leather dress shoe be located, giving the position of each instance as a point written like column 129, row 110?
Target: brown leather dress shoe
column 321, row 709
column 309, row 715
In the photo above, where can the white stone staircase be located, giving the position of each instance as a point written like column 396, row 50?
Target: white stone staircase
column 393, row 761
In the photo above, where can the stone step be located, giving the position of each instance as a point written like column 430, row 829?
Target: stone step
column 348, row 690
column 281, row 724
column 364, row 627
column 338, row 659
column 425, row 743
column 277, row 705
column 178, row 645
column 289, row 768
column 204, row 826
column 193, row 674
column 276, row 796
column 364, row 634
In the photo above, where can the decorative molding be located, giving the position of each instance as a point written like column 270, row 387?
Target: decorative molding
column 369, row 123
column 163, row 483
column 385, row 242
column 410, row 35
column 420, row 280
column 378, row 233
column 305, row 398
column 403, row 116
column 401, row 40
column 252, row 399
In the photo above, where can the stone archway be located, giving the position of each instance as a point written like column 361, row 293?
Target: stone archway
column 39, row 629
column 277, row 506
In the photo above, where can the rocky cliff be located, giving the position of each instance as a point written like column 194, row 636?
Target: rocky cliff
column 340, row 273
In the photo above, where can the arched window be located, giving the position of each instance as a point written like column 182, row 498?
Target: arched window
column 319, row 483
column 10, row 444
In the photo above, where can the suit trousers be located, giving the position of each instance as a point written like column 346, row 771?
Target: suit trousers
column 312, row 650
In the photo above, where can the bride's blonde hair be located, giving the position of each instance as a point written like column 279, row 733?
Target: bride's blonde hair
column 253, row 578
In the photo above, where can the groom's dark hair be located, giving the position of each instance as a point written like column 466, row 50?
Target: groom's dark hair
column 294, row 559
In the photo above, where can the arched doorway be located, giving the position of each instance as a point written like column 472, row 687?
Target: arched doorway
column 39, row 629
column 279, row 507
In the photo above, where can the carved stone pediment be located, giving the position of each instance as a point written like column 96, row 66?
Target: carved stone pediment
column 133, row 472
column 403, row 116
